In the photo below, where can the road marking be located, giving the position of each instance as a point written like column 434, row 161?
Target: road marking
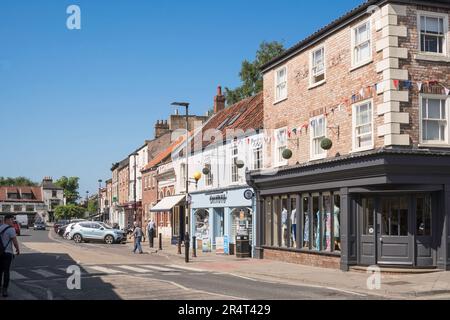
column 44, row 273
column 158, row 268
column 105, row 270
column 184, row 268
column 134, row 269
column 17, row 276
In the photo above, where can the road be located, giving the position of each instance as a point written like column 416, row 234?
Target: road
column 114, row 273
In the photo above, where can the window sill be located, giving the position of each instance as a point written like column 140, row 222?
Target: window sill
column 363, row 149
column 317, row 84
column 434, row 145
column 431, row 57
column 360, row 65
column 307, row 251
column 279, row 165
column 318, row 158
column 279, row 101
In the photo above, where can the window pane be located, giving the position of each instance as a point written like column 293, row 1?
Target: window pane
column 434, row 109
column 423, row 216
column 337, row 222
column 293, row 218
column 385, row 226
column 326, row 222
column 284, row 223
column 364, row 51
column 276, row 214
column 306, row 222
column 368, row 216
column 268, row 223
column 432, row 25
column 403, row 213
column 431, row 130
column 316, row 225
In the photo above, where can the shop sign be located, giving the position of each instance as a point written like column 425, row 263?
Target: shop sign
column 226, row 245
column 220, row 198
column 219, row 245
column 206, row 244
column 248, row 194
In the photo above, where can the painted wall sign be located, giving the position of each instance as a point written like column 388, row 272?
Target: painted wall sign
column 220, row 198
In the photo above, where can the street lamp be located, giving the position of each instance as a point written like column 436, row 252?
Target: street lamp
column 187, row 209
column 99, row 197
column 87, row 201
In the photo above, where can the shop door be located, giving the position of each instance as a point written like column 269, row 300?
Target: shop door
column 394, row 240
column 367, row 217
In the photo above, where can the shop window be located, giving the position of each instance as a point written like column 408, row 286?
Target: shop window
column 423, row 214
column 293, row 217
column 306, row 223
column 316, row 225
column 30, row 208
column 337, row 222
column 326, row 222
column 284, row 223
column 268, row 222
column 276, row 221
column 202, row 224
column 17, row 208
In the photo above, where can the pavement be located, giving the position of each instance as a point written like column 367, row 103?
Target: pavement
column 393, row 283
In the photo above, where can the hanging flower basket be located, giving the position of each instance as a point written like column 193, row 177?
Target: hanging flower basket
column 287, row 154
column 206, row 171
column 239, row 163
column 326, row 144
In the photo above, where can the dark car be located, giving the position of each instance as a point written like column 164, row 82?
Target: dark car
column 60, row 223
column 17, row 228
column 61, row 230
column 40, row 226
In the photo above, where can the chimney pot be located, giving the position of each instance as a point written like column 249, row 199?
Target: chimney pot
column 219, row 100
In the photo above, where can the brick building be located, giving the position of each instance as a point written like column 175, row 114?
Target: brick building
column 358, row 153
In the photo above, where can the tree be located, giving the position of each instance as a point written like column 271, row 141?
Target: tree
column 250, row 74
column 17, row 182
column 93, row 205
column 70, row 211
column 70, row 186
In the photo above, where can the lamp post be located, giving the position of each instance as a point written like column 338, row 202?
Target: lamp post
column 187, row 220
column 87, row 201
column 134, row 186
column 99, row 197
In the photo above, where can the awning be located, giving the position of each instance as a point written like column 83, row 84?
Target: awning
column 168, row 203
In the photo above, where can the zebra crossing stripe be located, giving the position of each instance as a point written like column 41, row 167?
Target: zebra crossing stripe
column 134, row 269
column 105, row 270
column 44, row 273
column 185, row 268
column 17, row 276
column 157, row 268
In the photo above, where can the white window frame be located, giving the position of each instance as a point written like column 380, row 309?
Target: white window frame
column 355, row 148
column 447, row 118
column 277, row 84
column 445, row 49
column 324, row 154
column 255, row 157
column 278, row 160
column 233, row 158
column 312, row 83
column 356, row 64
column 209, row 177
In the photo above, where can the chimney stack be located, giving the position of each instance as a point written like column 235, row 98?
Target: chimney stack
column 161, row 128
column 219, row 101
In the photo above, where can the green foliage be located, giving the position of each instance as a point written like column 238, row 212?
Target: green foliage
column 92, row 206
column 71, row 211
column 70, row 186
column 17, row 182
column 250, row 74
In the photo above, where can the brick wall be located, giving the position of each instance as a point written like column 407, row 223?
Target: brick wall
column 342, row 83
column 303, row 258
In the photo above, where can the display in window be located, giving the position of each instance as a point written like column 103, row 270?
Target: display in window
column 294, row 227
column 285, row 233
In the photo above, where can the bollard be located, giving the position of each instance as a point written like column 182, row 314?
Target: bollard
column 186, row 248
column 151, row 238
column 179, row 244
column 194, row 247
column 160, row 241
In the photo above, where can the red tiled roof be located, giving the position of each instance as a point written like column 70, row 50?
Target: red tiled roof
column 244, row 115
column 164, row 154
column 36, row 191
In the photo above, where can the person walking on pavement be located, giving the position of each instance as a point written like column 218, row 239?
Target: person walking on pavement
column 151, row 228
column 137, row 234
column 7, row 239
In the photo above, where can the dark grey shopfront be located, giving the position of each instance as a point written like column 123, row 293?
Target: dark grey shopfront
column 385, row 207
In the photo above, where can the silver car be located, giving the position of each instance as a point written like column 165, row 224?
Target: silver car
column 96, row 231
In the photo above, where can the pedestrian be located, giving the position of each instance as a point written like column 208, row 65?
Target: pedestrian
column 151, row 228
column 137, row 234
column 7, row 239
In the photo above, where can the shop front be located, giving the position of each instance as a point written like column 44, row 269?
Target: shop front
column 385, row 208
column 174, row 206
column 219, row 216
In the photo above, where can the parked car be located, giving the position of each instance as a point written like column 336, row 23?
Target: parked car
column 69, row 228
column 97, row 231
column 59, row 224
column 61, row 230
column 17, row 228
column 39, row 226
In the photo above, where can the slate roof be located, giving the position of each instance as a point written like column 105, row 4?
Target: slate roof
column 36, row 191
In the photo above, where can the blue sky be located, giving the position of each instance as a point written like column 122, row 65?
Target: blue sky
column 72, row 102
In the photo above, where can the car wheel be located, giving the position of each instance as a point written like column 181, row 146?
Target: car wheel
column 109, row 239
column 77, row 238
